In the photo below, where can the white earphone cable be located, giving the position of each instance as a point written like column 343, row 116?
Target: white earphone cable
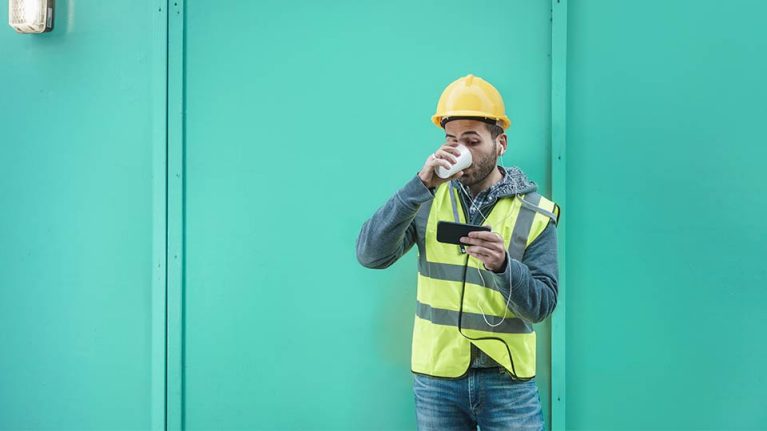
column 479, row 271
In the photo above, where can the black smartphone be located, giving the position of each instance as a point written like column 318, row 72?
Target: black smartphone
column 451, row 232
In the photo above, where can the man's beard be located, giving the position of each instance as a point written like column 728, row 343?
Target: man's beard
column 479, row 171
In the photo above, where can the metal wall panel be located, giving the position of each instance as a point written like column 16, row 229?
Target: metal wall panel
column 301, row 119
column 666, row 240
column 82, row 123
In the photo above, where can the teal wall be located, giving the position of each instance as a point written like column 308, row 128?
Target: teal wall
column 79, row 348
column 271, row 322
column 666, row 191
column 299, row 125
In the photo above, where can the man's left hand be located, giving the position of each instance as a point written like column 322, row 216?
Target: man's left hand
column 487, row 247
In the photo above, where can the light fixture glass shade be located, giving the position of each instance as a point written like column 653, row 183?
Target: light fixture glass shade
column 30, row 16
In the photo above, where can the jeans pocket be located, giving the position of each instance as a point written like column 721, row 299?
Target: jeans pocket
column 509, row 404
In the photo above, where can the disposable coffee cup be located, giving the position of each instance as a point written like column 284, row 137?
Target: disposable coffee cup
column 464, row 161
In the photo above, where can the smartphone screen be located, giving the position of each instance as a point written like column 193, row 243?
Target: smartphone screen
column 451, row 232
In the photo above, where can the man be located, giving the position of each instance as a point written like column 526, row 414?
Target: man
column 473, row 351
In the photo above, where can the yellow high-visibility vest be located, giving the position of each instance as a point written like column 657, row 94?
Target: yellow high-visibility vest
column 452, row 295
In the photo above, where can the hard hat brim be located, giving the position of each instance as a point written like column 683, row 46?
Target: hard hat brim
column 473, row 115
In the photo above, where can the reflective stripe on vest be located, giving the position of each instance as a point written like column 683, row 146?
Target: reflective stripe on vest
column 454, row 291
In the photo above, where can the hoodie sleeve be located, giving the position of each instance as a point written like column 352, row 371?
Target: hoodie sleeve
column 532, row 282
column 390, row 232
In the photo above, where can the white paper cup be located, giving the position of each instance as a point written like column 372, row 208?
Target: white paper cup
column 464, row 161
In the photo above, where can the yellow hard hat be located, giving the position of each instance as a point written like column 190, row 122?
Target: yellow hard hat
column 472, row 97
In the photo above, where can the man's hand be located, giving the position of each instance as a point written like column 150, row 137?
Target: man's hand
column 445, row 156
column 487, row 247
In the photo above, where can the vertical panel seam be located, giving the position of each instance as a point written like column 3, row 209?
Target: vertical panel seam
column 176, row 219
column 558, row 172
column 159, row 266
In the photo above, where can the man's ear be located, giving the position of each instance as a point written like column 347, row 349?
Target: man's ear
column 500, row 144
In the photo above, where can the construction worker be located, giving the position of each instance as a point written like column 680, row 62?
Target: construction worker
column 473, row 347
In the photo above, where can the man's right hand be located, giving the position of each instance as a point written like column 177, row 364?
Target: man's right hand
column 445, row 156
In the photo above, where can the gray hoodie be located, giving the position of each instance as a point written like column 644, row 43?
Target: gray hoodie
column 401, row 222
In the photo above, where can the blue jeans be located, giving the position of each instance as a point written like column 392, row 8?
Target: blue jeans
column 487, row 397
